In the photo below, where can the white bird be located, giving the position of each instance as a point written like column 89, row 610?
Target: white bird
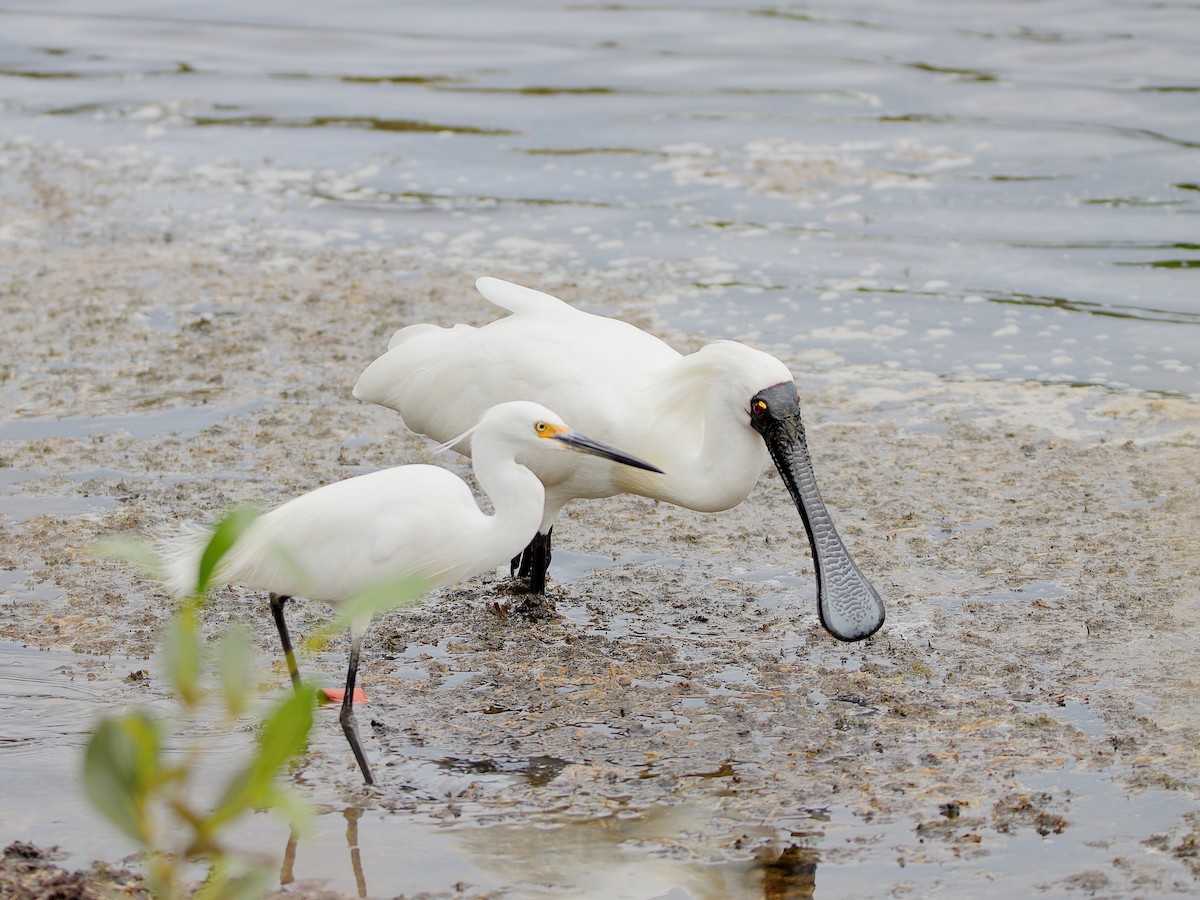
column 414, row 521
column 718, row 413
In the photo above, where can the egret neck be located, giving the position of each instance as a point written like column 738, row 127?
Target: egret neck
column 518, row 499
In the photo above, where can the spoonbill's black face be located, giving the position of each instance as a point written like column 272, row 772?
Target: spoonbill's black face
column 849, row 607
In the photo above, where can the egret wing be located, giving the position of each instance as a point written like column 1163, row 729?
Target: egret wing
column 340, row 539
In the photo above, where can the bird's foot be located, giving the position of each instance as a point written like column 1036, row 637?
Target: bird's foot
column 533, row 608
column 518, row 587
column 336, row 695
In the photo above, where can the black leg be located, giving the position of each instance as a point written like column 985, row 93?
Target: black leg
column 539, row 562
column 519, row 566
column 533, row 562
column 349, row 726
column 277, row 604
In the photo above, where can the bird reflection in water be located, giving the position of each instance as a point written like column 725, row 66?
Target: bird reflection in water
column 774, row 873
column 792, row 875
column 287, row 871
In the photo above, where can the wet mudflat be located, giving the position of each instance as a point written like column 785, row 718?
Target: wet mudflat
column 1025, row 721
column 967, row 235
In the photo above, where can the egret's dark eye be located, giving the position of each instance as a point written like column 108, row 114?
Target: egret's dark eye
column 540, row 427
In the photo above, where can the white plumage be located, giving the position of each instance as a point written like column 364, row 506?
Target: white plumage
column 610, row 373
column 410, row 521
column 717, row 414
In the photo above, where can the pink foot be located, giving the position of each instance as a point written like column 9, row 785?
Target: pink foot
column 336, row 695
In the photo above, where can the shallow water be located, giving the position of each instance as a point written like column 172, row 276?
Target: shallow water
column 376, row 847
column 992, row 191
column 441, row 817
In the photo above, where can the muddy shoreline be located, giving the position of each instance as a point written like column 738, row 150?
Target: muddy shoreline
column 1035, row 545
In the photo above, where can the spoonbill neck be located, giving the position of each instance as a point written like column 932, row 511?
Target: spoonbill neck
column 710, row 456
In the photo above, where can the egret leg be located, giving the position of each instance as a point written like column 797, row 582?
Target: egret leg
column 349, row 725
column 277, row 604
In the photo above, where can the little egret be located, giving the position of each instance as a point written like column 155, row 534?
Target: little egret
column 414, row 521
column 719, row 412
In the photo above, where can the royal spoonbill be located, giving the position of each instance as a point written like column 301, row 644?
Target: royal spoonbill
column 414, row 521
column 718, row 412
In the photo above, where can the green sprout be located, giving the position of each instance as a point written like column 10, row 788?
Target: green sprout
column 138, row 779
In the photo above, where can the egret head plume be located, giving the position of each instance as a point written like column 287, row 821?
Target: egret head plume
column 454, row 441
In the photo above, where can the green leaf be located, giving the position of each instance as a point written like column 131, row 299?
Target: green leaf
column 240, row 795
column 235, row 657
column 284, row 733
column 385, row 596
column 183, row 652
column 131, row 549
column 294, row 809
column 224, row 536
column 283, row 736
column 120, row 766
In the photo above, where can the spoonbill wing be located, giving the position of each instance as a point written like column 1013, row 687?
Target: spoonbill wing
column 441, row 380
